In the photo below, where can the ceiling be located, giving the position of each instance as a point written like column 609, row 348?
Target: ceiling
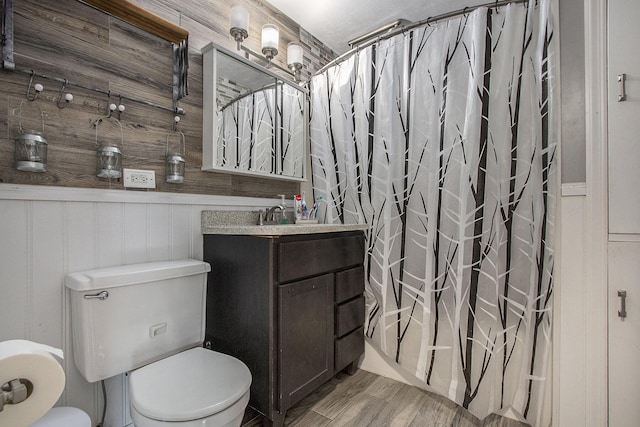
column 336, row 22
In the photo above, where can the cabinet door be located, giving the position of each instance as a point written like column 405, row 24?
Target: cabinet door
column 623, row 116
column 305, row 337
column 624, row 338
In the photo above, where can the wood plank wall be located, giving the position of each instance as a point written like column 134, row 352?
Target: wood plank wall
column 70, row 40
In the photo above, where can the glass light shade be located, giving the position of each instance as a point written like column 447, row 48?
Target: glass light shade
column 239, row 18
column 175, row 168
column 31, row 152
column 270, row 38
column 294, row 54
column 109, row 162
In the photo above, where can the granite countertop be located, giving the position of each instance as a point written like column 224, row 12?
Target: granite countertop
column 244, row 222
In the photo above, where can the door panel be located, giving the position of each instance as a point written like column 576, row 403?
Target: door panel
column 624, row 334
column 624, row 117
column 305, row 335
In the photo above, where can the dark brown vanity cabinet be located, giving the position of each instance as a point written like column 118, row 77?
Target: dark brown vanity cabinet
column 290, row 307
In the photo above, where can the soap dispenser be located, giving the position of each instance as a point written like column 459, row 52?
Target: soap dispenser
column 283, row 203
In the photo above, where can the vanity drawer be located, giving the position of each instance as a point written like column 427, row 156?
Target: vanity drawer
column 305, row 258
column 349, row 283
column 349, row 316
column 349, row 348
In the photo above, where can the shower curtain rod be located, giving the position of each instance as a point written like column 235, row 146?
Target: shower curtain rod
column 429, row 20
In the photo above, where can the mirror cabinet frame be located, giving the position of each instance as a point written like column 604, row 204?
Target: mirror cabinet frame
column 210, row 120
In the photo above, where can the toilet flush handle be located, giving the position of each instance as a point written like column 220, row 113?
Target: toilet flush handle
column 100, row 295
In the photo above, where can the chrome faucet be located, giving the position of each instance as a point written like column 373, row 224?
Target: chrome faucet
column 270, row 214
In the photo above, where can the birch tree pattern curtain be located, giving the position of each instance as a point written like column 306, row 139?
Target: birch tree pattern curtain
column 246, row 132
column 260, row 131
column 443, row 140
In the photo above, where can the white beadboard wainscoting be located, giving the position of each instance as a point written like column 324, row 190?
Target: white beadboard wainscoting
column 47, row 232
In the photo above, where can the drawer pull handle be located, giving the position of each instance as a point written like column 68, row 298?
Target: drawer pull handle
column 622, row 313
column 622, row 93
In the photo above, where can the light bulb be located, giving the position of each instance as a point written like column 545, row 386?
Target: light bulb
column 239, row 23
column 270, row 40
column 294, row 54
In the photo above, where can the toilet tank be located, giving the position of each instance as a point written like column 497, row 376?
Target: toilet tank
column 128, row 316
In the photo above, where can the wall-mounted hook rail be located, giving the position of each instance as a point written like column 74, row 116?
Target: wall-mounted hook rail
column 6, row 24
column 173, row 109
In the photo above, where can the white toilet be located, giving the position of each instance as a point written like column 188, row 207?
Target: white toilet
column 150, row 319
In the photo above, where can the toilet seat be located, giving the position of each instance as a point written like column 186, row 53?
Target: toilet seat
column 193, row 384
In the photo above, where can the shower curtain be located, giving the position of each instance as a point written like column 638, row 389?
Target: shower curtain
column 257, row 131
column 443, row 140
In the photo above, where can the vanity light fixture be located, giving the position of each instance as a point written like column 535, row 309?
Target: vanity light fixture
column 239, row 30
column 270, row 41
column 239, row 23
column 294, row 59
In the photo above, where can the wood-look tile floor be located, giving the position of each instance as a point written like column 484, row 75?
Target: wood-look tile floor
column 366, row 399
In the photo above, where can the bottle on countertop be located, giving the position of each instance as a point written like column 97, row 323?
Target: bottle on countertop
column 305, row 211
column 297, row 201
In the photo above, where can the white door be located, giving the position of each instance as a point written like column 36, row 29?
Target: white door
column 624, row 213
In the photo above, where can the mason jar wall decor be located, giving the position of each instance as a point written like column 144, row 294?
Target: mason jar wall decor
column 30, row 147
column 109, row 152
column 175, row 160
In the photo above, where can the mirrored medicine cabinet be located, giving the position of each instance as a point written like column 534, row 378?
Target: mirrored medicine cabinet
column 254, row 121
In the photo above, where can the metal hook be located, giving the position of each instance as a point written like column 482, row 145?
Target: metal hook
column 111, row 107
column 37, row 87
column 176, row 120
column 67, row 97
column 120, row 107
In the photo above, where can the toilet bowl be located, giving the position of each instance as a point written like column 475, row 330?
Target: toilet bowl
column 149, row 320
column 197, row 387
column 63, row 417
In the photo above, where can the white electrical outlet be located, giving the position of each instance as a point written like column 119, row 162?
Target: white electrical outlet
column 139, row 178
